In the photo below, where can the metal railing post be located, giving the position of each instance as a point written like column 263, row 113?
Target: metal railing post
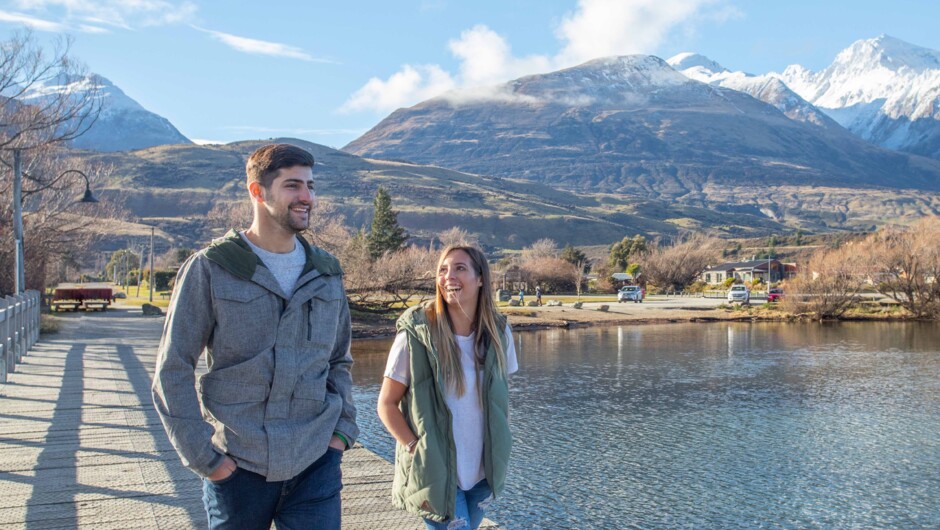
column 6, row 361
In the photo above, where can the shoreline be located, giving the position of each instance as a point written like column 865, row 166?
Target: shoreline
column 665, row 311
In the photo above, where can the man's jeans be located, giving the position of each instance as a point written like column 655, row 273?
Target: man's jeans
column 246, row 500
column 470, row 507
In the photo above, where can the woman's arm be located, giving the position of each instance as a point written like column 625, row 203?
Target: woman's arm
column 389, row 397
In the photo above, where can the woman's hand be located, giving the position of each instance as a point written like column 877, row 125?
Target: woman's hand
column 389, row 397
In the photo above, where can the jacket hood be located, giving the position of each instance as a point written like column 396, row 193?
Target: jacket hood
column 233, row 254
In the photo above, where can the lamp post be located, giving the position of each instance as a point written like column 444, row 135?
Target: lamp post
column 150, row 283
column 87, row 197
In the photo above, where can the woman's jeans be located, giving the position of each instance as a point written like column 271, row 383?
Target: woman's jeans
column 470, row 507
column 245, row 500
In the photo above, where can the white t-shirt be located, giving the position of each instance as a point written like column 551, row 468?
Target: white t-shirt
column 466, row 410
column 286, row 267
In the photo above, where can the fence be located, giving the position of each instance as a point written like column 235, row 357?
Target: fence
column 19, row 329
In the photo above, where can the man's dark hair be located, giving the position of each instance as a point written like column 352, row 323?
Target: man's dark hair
column 265, row 162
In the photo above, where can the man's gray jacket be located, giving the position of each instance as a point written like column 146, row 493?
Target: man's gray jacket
column 278, row 383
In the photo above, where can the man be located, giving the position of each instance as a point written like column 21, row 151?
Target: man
column 267, row 425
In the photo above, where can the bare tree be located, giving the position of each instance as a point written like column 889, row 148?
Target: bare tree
column 543, row 248
column 905, row 265
column 457, row 236
column 46, row 100
column 673, row 267
column 828, row 285
column 56, row 227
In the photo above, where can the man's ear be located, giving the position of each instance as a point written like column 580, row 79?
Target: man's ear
column 256, row 191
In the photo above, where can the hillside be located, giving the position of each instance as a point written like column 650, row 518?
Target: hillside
column 176, row 186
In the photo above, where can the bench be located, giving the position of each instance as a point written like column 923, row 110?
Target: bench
column 95, row 305
column 65, row 305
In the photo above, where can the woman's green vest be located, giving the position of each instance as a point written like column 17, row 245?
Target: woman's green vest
column 426, row 481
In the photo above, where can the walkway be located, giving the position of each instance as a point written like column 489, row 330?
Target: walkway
column 81, row 445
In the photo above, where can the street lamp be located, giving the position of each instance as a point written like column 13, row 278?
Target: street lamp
column 87, row 197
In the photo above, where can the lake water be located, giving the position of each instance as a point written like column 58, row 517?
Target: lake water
column 721, row 425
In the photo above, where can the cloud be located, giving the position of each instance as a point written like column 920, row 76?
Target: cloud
column 115, row 13
column 596, row 28
column 260, row 47
column 600, row 28
column 403, row 88
column 32, row 22
column 486, row 58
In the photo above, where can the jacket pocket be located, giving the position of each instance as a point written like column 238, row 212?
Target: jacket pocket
column 238, row 410
column 246, row 319
column 323, row 314
column 309, row 394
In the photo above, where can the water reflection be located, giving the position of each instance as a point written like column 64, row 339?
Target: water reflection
column 716, row 426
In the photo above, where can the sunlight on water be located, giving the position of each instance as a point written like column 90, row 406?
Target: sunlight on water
column 715, row 426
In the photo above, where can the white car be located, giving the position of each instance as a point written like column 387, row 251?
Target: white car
column 739, row 293
column 631, row 293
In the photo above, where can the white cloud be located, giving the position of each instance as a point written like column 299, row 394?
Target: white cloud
column 32, row 22
column 403, row 88
column 260, row 47
column 486, row 58
column 600, row 28
column 596, row 28
column 115, row 13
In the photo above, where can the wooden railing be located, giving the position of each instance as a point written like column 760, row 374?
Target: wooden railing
column 19, row 329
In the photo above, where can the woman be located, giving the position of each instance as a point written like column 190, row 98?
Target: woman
column 445, row 397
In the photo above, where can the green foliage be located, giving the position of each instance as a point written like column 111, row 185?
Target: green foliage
column 575, row 257
column 125, row 261
column 728, row 282
column 181, row 254
column 633, row 269
column 620, row 252
column 386, row 235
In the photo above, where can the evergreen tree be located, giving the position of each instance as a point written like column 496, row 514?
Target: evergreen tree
column 620, row 252
column 573, row 255
column 386, row 234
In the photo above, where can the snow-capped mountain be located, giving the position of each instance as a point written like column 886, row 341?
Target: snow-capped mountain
column 123, row 123
column 766, row 88
column 635, row 125
column 884, row 90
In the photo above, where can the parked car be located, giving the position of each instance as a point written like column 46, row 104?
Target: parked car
column 631, row 293
column 775, row 294
column 739, row 293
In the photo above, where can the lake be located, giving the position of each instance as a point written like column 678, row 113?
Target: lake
column 719, row 425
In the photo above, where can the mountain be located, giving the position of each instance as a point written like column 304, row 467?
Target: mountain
column 884, row 90
column 634, row 125
column 766, row 88
column 123, row 123
column 175, row 187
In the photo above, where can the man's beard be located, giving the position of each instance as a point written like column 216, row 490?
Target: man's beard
column 287, row 221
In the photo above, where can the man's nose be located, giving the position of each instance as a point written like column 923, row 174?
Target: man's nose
column 307, row 195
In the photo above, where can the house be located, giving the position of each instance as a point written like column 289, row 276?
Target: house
column 748, row 271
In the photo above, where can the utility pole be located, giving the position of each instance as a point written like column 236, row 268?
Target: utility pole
column 20, row 280
column 140, row 269
column 151, row 265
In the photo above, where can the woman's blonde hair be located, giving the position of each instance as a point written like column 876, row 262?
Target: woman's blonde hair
column 485, row 323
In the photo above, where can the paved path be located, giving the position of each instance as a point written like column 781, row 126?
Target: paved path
column 81, row 445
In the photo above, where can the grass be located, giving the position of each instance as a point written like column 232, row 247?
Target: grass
column 144, row 298
column 48, row 324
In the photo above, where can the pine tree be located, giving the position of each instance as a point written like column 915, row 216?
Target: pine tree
column 386, row 234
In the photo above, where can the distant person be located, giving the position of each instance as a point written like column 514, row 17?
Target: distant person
column 268, row 424
column 522, row 296
column 450, row 361
column 538, row 295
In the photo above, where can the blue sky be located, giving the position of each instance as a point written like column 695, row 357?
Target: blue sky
column 329, row 71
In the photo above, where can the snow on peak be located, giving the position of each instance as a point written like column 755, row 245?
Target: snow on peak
column 890, row 53
column 689, row 60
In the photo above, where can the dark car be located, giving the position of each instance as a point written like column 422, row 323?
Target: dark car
column 775, row 295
